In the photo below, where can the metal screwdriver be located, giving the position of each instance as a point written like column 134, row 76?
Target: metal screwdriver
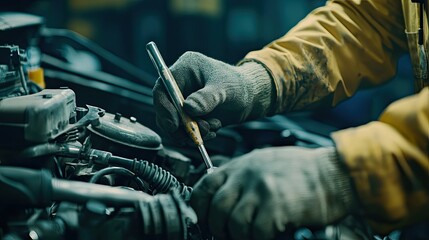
column 173, row 90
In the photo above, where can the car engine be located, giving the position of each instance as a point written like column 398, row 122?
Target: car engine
column 53, row 177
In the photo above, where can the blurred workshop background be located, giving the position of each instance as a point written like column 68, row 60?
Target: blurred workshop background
column 222, row 29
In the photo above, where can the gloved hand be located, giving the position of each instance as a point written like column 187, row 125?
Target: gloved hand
column 258, row 194
column 216, row 94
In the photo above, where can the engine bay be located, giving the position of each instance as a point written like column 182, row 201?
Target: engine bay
column 52, row 163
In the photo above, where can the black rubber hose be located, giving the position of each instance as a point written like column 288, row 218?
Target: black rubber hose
column 49, row 149
column 119, row 171
column 166, row 217
column 26, row 187
column 159, row 179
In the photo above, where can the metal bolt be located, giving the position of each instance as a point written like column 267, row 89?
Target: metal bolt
column 118, row 117
column 80, row 112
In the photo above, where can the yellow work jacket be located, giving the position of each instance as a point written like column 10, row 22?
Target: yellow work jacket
column 337, row 49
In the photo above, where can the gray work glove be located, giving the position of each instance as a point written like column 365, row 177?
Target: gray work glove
column 258, row 194
column 216, row 94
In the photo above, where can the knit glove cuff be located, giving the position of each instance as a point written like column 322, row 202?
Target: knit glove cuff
column 261, row 86
column 337, row 182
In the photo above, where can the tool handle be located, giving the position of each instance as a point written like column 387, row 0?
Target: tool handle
column 173, row 90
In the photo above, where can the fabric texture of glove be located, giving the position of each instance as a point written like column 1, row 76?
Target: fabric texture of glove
column 258, row 195
column 216, row 94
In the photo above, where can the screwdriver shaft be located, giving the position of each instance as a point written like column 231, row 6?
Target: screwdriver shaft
column 173, row 90
column 205, row 156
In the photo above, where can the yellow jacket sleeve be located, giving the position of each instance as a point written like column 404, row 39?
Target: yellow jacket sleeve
column 389, row 163
column 333, row 51
column 330, row 54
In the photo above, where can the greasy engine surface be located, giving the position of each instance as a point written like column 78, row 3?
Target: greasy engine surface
column 55, row 185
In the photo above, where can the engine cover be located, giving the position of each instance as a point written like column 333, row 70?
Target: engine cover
column 35, row 118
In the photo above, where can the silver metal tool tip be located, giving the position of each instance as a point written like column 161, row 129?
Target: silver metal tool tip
column 205, row 156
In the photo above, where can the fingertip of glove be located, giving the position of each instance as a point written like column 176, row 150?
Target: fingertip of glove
column 215, row 124
column 205, row 129
column 209, row 136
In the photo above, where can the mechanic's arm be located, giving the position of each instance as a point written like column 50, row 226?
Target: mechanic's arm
column 389, row 163
column 327, row 56
column 333, row 51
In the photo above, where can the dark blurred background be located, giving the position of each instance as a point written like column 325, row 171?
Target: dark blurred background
column 222, row 29
column 226, row 30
